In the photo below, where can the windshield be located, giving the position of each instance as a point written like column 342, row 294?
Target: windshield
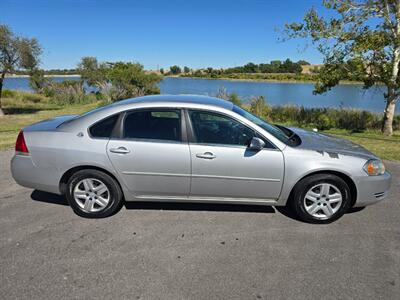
column 275, row 131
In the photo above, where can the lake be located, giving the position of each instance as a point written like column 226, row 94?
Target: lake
column 276, row 93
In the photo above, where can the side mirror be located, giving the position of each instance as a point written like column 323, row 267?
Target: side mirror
column 256, row 144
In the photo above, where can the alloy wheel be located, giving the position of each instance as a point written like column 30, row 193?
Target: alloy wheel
column 322, row 201
column 91, row 194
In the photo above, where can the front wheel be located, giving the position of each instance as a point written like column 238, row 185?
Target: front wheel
column 321, row 198
column 94, row 194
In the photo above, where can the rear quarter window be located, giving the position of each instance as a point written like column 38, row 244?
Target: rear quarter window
column 103, row 128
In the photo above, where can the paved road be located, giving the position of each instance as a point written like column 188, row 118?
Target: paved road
column 161, row 251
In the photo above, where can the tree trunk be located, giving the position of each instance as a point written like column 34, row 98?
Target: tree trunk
column 1, row 91
column 387, row 126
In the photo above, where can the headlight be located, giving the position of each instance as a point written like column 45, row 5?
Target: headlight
column 374, row 167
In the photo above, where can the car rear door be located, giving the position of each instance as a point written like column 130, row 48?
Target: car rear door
column 151, row 153
column 223, row 167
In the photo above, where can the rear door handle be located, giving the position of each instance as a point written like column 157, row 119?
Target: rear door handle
column 120, row 150
column 206, row 155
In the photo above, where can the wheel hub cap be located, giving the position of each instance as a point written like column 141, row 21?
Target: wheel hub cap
column 323, row 200
column 91, row 194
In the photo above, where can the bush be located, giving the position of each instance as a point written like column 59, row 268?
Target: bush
column 9, row 94
column 66, row 92
column 29, row 97
column 323, row 122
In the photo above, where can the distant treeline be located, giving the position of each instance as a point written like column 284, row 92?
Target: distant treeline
column 51, row 72
column 274, row 67
column 255, row 76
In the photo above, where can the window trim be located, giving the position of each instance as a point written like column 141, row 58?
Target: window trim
column 119, row 131
column 192, row 136
column 103, row 119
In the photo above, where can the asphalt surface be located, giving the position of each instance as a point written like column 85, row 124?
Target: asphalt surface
column 187, row 251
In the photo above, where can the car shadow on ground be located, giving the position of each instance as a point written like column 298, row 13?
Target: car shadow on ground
column 48, row 198
column 180, row 206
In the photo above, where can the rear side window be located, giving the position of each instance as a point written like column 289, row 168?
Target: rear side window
column 153, row 125
column 104, row 128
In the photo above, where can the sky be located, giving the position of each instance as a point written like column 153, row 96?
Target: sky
column 158, row 34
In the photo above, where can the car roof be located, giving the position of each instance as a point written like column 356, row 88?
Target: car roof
column 189, row 99
column 145, row 101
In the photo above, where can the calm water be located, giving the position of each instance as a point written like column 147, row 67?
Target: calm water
column 276, row 93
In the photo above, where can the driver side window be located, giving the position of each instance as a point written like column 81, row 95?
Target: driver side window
column 214, row 128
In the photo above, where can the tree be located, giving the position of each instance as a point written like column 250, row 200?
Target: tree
column 250, row 68
column 16, row 53
column 93, row 72
column 364, row 33
column 130, row 80
column 186, row 70
column 175, row 70
column 37, row 80
column 118, row 80
column 302, row 62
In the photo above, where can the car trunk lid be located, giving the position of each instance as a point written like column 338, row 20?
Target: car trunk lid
column 49, row 124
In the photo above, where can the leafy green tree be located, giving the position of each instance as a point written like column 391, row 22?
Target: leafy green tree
column 175, row 70
column 37, row 80
column 162, row 71
column 130, row 80
column 118, row 80
column 250, row 68
column 186, row 70
column 364, row 33
column 303, row 62
column 94, row 73
column 290, row 67
column 16, row 53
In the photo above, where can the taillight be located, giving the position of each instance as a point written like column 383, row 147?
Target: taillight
column 20, row 145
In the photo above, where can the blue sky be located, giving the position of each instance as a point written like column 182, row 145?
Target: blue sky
column 204, row 33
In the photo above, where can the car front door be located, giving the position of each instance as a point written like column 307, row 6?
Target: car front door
column 151, row 154
column 224, row 168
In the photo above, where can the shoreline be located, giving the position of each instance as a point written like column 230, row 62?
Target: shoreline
column 27, row 76
column 344, row 82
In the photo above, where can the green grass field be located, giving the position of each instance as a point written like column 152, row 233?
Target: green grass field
column 24, row 108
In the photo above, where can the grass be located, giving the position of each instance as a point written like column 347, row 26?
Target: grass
column 383, row 146
column 24, row 108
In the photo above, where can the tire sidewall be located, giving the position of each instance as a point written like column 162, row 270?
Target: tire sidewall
column 114, row 190
column 306, row 184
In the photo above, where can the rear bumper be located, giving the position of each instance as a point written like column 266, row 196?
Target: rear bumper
column 372, row 189
column 25, row 173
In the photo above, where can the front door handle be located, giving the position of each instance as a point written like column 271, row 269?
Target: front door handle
column 120, row 150
column 206, row 155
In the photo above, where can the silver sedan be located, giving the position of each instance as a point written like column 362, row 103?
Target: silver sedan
column 194, row 149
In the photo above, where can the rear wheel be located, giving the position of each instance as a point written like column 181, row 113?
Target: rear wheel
column 94, row 194
column 321, row 198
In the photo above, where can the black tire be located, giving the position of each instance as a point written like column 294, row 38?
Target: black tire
column 115, row 194
column 303, row 186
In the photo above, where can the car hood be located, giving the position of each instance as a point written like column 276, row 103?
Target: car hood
column 316, row 141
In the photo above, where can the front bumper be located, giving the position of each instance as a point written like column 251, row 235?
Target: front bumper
column 372, row 189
